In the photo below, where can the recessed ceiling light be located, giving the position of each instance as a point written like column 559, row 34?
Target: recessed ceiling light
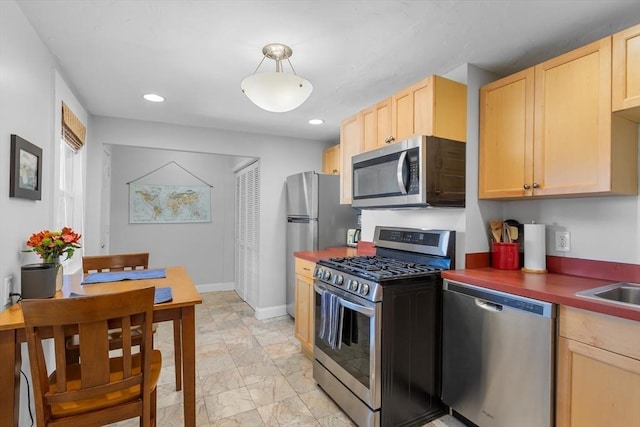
column 153, row 97
column 316, row 121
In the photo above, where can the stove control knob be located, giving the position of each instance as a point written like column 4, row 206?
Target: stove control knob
column 338, row 279
column 353, row 286
column 317, row 272
column 326, row 275
column 364, row 289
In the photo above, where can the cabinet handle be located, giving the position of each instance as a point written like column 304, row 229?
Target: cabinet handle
column 335, row 171
column 527, row 186
column 389, row 140
column 535, row 185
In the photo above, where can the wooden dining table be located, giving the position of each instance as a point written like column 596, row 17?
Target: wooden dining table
column 181, row 307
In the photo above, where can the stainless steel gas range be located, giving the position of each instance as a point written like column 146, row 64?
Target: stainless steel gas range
column 377, row 341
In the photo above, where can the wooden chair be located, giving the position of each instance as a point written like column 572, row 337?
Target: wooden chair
column 101, row 388
column 135, row 261
column 116, row 262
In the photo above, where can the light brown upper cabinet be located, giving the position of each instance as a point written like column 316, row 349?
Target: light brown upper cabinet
column 376, row 125
column 506, row 135
column 626, row 73
column 350, row 145
column 331, row 160
column 434, row 106
column 558, row 135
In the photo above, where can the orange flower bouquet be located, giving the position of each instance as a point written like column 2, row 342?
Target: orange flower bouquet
column 51, row 245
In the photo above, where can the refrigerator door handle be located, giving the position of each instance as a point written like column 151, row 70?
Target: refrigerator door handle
column 299, row 220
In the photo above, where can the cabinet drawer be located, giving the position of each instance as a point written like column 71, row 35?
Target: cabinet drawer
column 305, row 268
column 600, row 330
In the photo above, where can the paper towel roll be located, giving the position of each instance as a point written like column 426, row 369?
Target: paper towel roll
column 534, row 248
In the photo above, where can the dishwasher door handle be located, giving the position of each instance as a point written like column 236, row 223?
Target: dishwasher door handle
column 489, row 306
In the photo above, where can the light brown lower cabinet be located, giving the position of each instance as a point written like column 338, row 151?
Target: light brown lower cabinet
column 304, row 305
column 598, row 378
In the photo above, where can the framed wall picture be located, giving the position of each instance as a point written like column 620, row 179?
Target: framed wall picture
column 26, row 169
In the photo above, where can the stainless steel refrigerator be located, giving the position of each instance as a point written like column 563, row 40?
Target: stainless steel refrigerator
column 315, row 219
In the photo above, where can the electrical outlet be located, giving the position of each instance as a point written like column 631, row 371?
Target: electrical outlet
column 7, row 288
column 563, row 241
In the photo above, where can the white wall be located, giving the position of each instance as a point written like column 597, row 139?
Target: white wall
column 31, row 93
column 279, row 157
column 206, row 249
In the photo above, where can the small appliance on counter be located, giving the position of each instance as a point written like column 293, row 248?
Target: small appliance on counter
column 353, row 237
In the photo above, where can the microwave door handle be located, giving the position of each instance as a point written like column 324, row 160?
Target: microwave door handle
column 400, row 172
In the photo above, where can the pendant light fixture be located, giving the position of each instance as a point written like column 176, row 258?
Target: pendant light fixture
column 276, row 91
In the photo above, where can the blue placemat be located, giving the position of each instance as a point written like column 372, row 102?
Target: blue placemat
column 116, row 276
column 161, row 295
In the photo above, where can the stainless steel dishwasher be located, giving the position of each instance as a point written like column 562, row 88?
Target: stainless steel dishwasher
column 498, row 357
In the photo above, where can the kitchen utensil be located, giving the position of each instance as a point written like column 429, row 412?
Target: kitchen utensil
column 506, row 235
column 514, row 229
column 496, row 229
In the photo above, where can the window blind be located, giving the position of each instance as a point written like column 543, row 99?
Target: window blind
column 74, row 132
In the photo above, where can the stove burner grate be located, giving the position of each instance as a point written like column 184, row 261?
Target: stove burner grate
column 379, row 268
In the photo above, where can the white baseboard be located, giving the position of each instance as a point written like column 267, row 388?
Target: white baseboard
column 269, row 312
column 215, row 287
column 260, row 313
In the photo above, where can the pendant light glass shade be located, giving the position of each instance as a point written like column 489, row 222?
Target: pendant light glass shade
column 277, row 92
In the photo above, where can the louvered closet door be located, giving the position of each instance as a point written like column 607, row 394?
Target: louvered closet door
column 247, row 232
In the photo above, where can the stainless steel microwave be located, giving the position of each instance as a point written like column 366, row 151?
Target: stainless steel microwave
column 422, row 171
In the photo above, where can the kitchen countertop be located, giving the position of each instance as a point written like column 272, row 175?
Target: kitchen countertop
column 335, row 252
column 551, row 287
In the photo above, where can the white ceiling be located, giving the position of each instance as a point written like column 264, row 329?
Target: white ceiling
column 355, row 53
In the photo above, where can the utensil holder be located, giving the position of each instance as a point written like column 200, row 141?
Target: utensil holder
column 505, row 256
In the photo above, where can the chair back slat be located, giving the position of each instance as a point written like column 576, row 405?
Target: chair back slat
column 59, row 340
column 115, row 262
column 126, row 347
column 94, row 352
column 99, row 380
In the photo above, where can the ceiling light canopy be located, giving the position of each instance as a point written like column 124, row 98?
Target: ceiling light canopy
column 277, row 91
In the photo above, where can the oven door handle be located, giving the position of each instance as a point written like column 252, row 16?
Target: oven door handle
column 369, row 312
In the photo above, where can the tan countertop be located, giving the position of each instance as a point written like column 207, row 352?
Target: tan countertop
column 555, row 288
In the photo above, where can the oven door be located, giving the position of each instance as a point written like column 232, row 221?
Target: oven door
column 356, row 361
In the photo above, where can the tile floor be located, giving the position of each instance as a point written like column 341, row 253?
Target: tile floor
column 249, row 373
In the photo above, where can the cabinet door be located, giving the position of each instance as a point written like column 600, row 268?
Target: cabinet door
column 440, row 108
column 572, row 133
column 376, row 125
column 402, row 113
column 506, row 137
column 350, row 144
column 626, row 73
column 304, row 311
column 331, row 160
column 596, row 387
